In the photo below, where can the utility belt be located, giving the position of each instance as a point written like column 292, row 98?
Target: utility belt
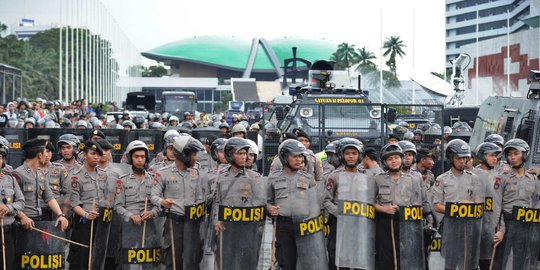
column 8, row 228
column 523, row 214
column 284, row 219
column 176, row 217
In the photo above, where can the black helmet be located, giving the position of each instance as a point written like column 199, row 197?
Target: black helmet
column 495, row 138
column 288, row 135
column 418, row 131
column 224, row 125
column 487, row 148
column 348, row 143
column 390, row 150
column 457, row 147
column 234, row 145
column 518, row 144
column 138, row 121
column 331, row 147
column 184, row 147
column 290, row 147
column 300, row 133
column 217, row 145
column 132, row 147
column 407, row 146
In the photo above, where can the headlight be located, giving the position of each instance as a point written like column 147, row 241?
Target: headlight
column 375, row 113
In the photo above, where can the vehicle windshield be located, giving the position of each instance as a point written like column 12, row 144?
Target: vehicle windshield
column 178, row 105
column 337, row 110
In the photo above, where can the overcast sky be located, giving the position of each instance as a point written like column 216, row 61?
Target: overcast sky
column 151, row 23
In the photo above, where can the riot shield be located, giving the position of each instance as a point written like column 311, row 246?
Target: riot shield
column 152, row 137
column 304, row 208
column 134, row 254
column 119, row 139
column 203, row 133
column 16, row 138
column 35, row 250
column 436, row 261
column 489, row 221
column 355, row 230
column 102, row 227
column 521, row 240
column 193, row 241
column 461, row 235
column 411, row 237
column 243, row 219
column 242, row 237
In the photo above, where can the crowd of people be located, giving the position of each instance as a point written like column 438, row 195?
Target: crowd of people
column 41, row 113
column 378, row 210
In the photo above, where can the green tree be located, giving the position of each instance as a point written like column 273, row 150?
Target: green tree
column 345, row 56
column 394, row 47
column 38, row 58
column 224, row 105
column 364, row 60
column 3, row 28
column 154, row 71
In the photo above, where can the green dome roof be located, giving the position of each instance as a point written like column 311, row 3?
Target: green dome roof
column 232, row 52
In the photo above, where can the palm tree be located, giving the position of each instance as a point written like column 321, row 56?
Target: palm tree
column 394, row 47
column 345, row 56
column 364, row 60
column 3, row 28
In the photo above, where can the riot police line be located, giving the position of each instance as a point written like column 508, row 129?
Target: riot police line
column 353, row 209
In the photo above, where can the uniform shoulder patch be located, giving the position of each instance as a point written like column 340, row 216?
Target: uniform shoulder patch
column 156, row 176
column 329, row 183
column 119, row 186
column 74, row 181
column 497, row 183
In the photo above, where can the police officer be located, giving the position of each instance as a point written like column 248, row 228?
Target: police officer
column 68, row 147
column 515, row 193
column 224, row 129
column 165, row 157
column 253, row 153
column 283, row 189
column 239, row 131
column 459, row 189
column 35, row 188
column 488, row 154
column 370, row 162
column 397, row 193
column 203, row 158
column 12, row 203
column 217, row 154
column 55, row 175
column 89, row 194
column 424, row 164
column 175, row 187
column 329, row 159
column 113, row 171
column 4, row 151
column 95, row 135
column 133, row 188
column 312, row 165
column 499, row 141
column 240, row 187
column 348, row 183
